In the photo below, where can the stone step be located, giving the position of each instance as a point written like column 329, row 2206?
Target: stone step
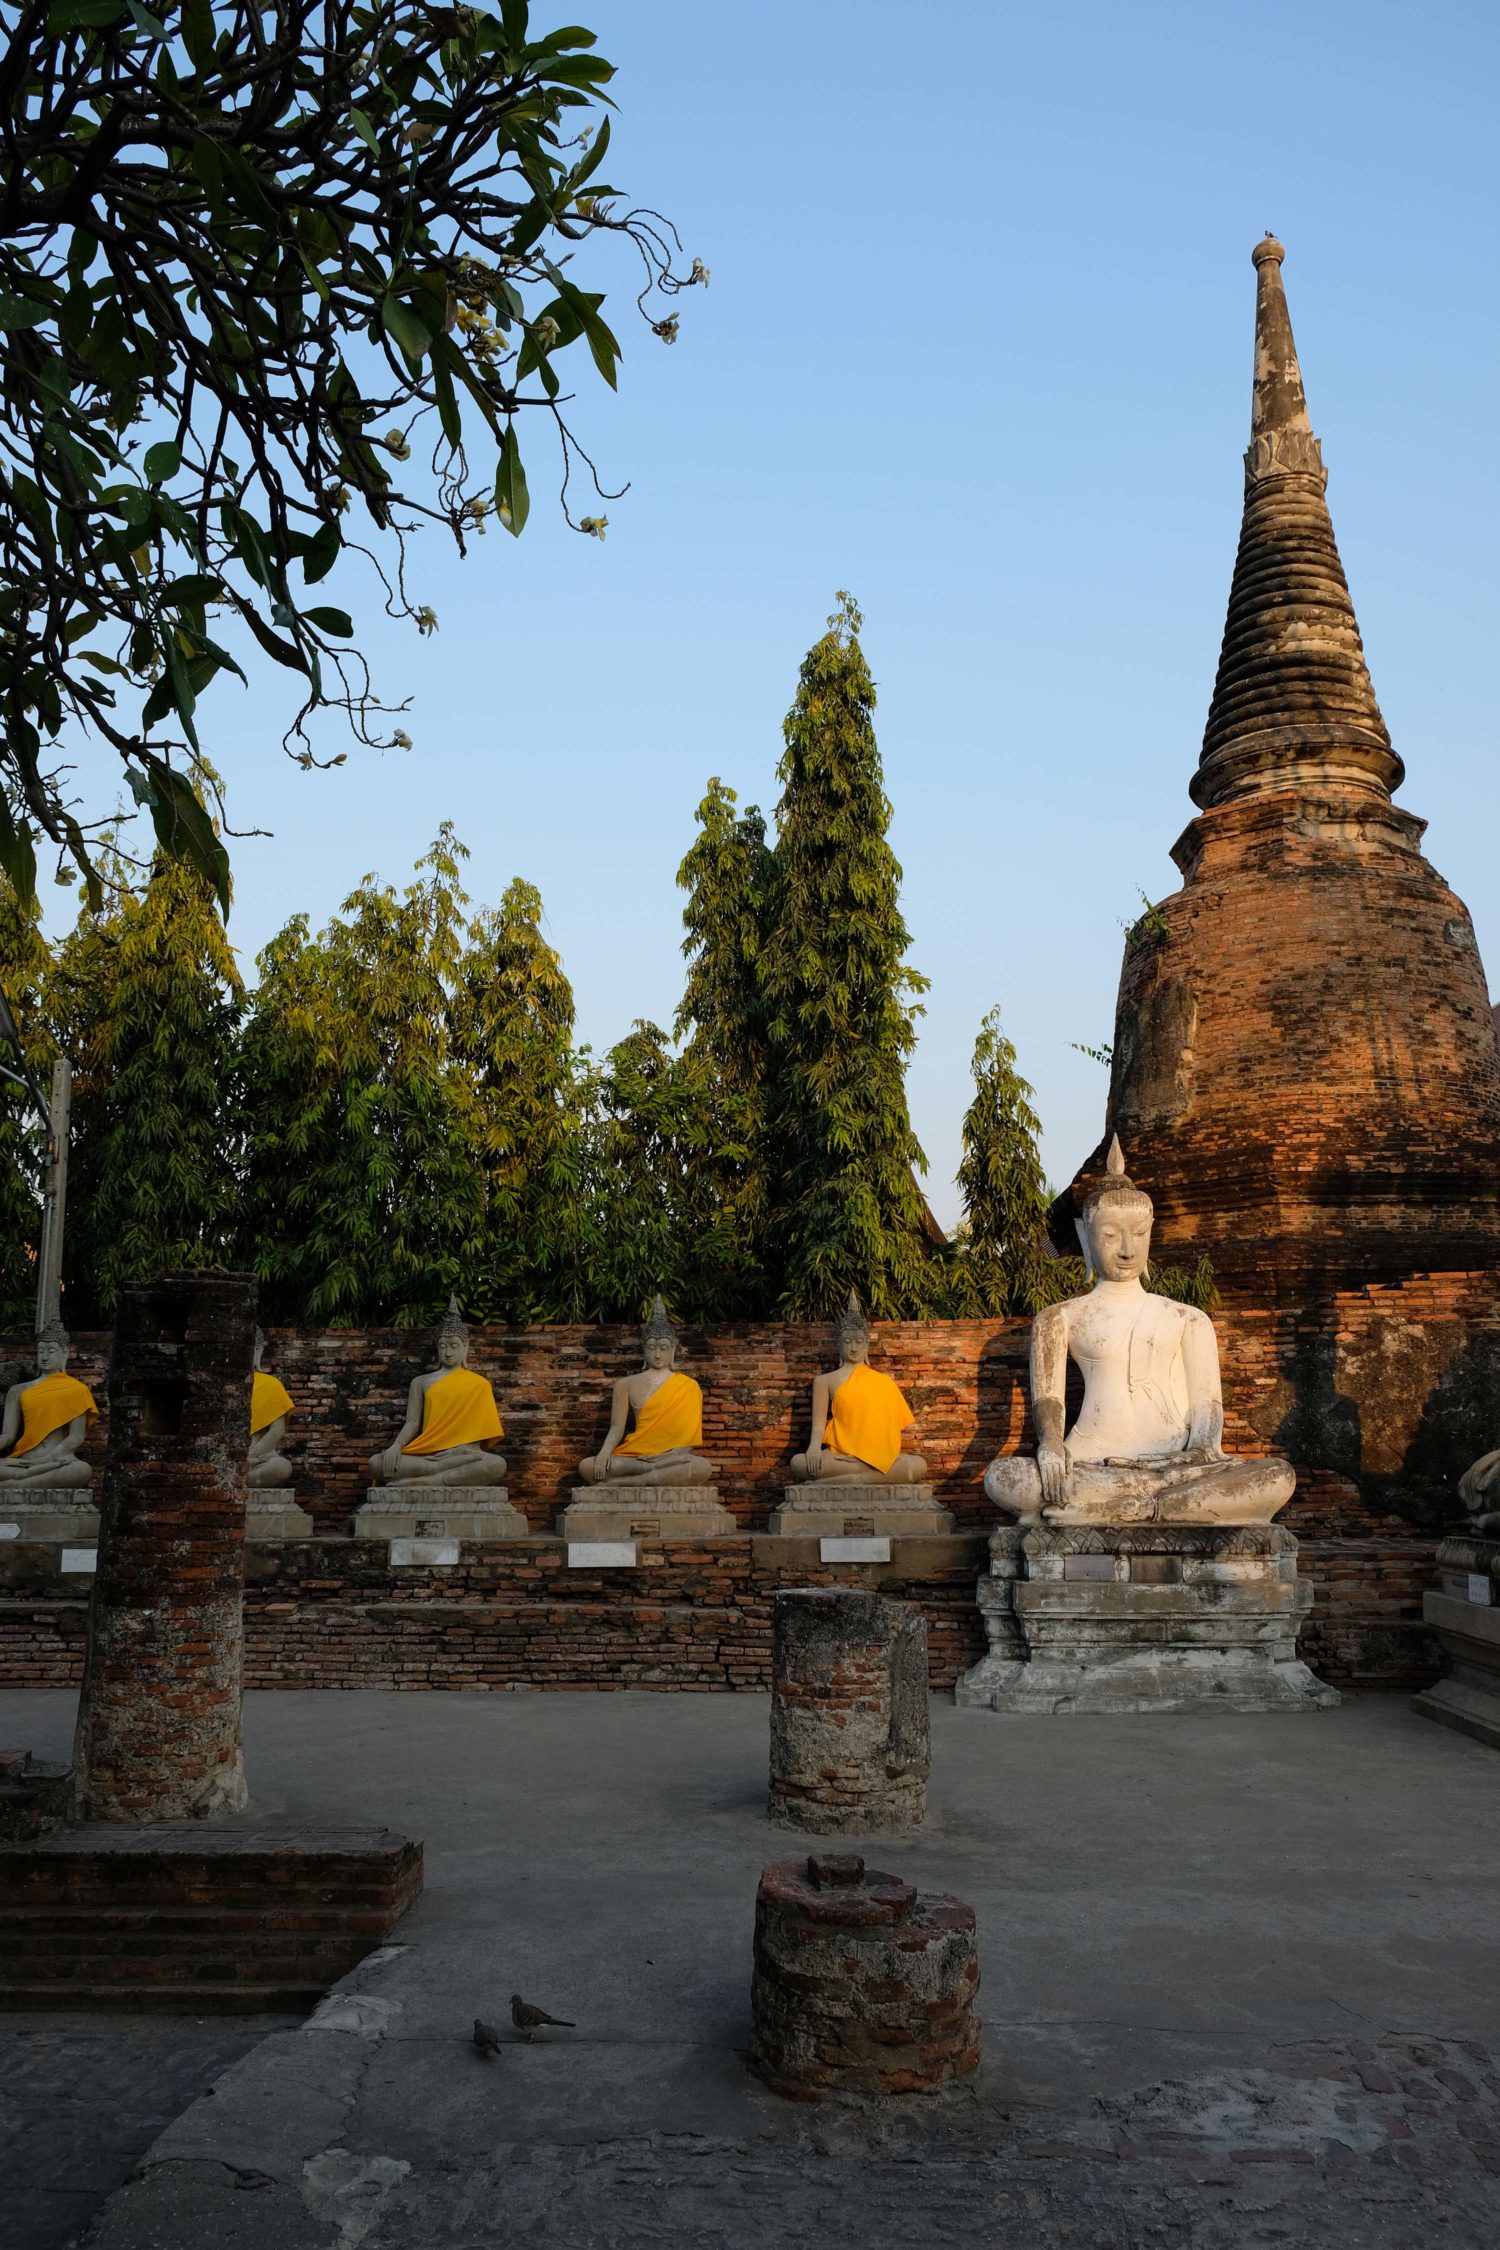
column 294, row 1996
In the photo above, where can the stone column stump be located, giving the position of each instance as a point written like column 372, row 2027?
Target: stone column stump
column 851, row 1743
column 861, row 1985
column 159, row 1718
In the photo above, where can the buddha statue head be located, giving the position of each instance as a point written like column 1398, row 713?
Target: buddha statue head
column 260, row 1346
column 1115, row 1228
column 53, row 1348
column 853, row 1333
column 452, row 1338
column 658, row 1339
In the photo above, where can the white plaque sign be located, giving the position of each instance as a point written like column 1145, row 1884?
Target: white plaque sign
column 601, row 1554
column 854, row 1550
column 1480, row 1587
column 82, row 1559
column 10, row 1531
column 423, row 1551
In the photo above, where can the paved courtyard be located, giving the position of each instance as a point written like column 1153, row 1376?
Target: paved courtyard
column 1241, row 1986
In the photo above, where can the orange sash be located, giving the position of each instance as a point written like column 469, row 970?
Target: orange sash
column 866, row 1417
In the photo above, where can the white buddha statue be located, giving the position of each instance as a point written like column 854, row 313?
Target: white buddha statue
column 1479, row 1490
column 1146, row 1447
column 46, row 1422
column 667, row 1410
column 270, row 1404
column 451, row 1418
column 859, row 1417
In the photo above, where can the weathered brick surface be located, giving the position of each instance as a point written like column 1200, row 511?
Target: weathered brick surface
column 851, row 1743
column 861, row 1984
column 159, row 1717
column 180, row 1917
column 1306, row 1077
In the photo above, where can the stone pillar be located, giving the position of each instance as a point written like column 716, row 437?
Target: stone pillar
column 850, row 1733
column 861, row 1985
column 159, row 1720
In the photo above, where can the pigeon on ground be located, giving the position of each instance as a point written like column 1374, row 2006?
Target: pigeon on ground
column 486, row 2037
column 528, row 2019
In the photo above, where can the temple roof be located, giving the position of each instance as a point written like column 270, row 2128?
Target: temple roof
column 1293, row 705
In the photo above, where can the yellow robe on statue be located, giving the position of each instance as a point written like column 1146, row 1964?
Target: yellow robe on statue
column 459, row 1409
column 269, row 1400
column 670, row 1421
column 50, row 1404
column 866, row 1417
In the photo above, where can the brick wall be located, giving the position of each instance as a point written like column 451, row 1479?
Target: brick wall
column 1382, row 1397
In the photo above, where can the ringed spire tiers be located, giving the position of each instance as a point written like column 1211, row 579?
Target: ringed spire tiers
column 1293, row 706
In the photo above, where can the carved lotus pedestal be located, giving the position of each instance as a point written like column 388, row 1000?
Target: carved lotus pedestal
column 834, row 1508
column 1464, row 1612
column 1157, row 1617
column 439, row 1511
column 646, row 1511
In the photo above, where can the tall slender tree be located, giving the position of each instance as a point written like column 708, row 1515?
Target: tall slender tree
column 146, row 1001
column 729, row 875
column 1005, row 1267
column 25, row 965
column 365, row 1196
column 846, row 1212
column 511, row 1021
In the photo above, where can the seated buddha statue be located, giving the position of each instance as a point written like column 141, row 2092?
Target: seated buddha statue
column 859, row 1418
column 1479, row 1490
column 46, row 1421
column 270, row 1404
column 1146, row 1445
column 451, row 1416
column 667, row 1410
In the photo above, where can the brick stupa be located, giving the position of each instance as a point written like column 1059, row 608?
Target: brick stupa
column 1305, row 1071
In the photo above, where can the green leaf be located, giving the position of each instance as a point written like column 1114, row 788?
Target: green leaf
column 448, row 414
column 511, row 496
column 163, row 461
column 22, row 312
column 365, row 130
column 70, row 15
column 335, row 622
column 145, row 21
column 198, row 31
column 17, row 854
column 323, row 551
column 404, row 327
column 183, row 826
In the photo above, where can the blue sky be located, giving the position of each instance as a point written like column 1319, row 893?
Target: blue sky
column 977, row 346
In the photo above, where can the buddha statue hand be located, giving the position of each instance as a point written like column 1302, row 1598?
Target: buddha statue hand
column 1054, row 1466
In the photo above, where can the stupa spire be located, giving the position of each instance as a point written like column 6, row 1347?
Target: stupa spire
column 1293, row 705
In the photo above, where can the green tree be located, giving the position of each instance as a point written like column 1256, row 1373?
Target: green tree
column 146, row 999
column 25, row 969
column 274, row 283
column 511, row 1022
column 365, row 1193
column 729, row 874
column 847, row 1212
column 1005, row 1266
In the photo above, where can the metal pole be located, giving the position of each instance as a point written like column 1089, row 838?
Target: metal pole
column 55, row 1195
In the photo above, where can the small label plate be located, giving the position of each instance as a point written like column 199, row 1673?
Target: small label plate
column 1481, row 1587
column 601, row 1554
column 855, row 1550
column 10, row 1531
column 82, row 1559
column 405, row 1551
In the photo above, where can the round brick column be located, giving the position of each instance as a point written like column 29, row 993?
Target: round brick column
column 159, row 1719
column 850, row 1735
column 862, row 1985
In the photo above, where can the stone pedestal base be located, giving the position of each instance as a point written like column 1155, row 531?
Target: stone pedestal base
column 837, row 1509
column 439, row 1511
column 1157, row 1617
column 274, row 1516
column 1465, row 1615
column 645, row 1511
column 61, row 1519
